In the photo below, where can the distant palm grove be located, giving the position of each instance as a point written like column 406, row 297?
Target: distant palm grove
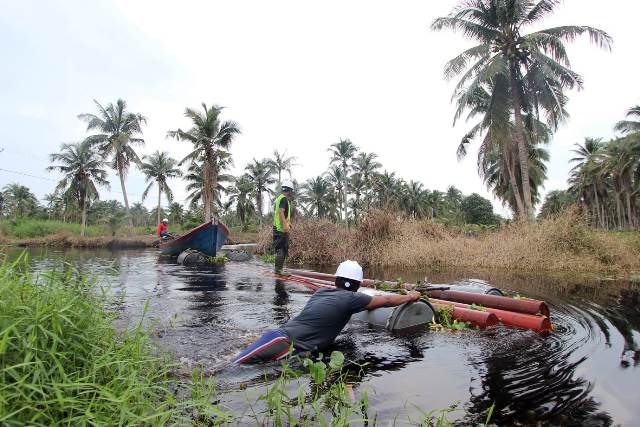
column 513, row 84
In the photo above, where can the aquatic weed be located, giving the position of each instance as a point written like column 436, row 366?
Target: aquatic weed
column 217, row 260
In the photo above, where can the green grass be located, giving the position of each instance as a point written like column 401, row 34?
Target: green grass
column 29, row 228
column 63, row 363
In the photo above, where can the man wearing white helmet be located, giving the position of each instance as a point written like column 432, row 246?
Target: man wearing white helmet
column 322, row 319
column 282, row 224
column 163, row 229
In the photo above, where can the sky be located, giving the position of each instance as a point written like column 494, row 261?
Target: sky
column 296, row 76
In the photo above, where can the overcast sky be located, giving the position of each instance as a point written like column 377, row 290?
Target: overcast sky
column 295, row 75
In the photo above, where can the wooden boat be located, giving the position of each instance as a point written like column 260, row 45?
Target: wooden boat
column 207, row 238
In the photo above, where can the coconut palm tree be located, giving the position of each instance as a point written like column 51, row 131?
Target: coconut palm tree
column 176, row 213
column 195, row 180
column 19, row 200
column 82, row 168
column 281, row 163
column 342, row 153
column 585, row 178
column 158, row 168
column 319, row 197
column 241, row 193
column 118, row 132
column 531, row 70
column 260, row 174
column 209, row 136
column 555, row 202
column 140, row 215
column 626, row 127
column 366, row 166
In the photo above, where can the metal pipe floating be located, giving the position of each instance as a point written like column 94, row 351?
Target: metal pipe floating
column 526, row 306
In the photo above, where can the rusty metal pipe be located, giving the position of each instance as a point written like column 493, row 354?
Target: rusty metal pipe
column 526, row 306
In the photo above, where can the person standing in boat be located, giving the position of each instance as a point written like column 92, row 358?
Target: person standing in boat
column 282, row 224
column 322, row 318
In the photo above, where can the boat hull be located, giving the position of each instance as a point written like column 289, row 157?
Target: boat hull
column 207, row 238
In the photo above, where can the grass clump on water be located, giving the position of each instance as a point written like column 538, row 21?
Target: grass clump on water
column 62, row 361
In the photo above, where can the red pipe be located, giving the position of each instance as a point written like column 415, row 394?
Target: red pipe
column 526, row 306
column 478, row 318
column 330, row 277
column 540, row 324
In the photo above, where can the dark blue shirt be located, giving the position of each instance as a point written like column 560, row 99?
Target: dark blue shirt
column 324, row 316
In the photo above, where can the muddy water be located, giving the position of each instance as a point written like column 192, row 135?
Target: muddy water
column 586, row 373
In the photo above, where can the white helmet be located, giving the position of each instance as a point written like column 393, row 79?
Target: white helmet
column 165, row 220
column 350, row 270
column 286, row 183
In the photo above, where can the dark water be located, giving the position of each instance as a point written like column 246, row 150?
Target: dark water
column 585, row 373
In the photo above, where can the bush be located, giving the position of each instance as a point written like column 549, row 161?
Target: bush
column 29, row 228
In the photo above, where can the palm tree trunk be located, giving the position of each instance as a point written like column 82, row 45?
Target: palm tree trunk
column 84, row 215
column 595, row 193
column 159, row 196
column 126, row 199
column 514, row 182
column 214, row 190
column 523, row 152
column 206, row 190
column 619, row 210
column 344, row 193
column 259, row 206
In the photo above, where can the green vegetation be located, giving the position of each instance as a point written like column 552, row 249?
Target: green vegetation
column 29, row 228
column 62, row 361
column 268, row 258
column 158, row 168
column 444, row 320
column 218, row 260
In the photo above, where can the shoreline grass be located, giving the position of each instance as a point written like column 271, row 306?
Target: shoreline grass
column 562, row 244
column 63, row 362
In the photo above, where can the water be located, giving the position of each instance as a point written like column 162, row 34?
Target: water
column 585, row 373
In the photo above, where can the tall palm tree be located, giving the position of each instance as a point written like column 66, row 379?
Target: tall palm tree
column 195, row 179
column 176, row 213
column 318, row 196
column 387, row 188
column 19, row 200
column 82, row 169
column 209, row 134
column 585, row 178
column 366, row 166
column 626, row 127
column 343, row 153
column 118, row 132
column 158, row 168
column 140, row 215
column 533, row 69
column 241, row 193
column 335, row 176
column 260, row 173
column 281, row 163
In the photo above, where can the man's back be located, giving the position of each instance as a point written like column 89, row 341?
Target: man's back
column 324, row 316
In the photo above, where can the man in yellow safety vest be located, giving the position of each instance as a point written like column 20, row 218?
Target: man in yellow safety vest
column 282, row 224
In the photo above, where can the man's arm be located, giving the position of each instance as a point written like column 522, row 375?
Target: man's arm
column 283, row 221
column 392, row 300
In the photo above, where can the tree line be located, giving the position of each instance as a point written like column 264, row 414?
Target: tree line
column 605, row 178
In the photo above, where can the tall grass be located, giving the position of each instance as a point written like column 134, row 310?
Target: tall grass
column 564, row 243
column 29, row 228
column 63, row 363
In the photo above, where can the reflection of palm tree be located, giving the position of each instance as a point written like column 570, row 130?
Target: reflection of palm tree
column 118, row 133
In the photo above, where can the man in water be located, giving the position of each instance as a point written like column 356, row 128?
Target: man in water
column 163, row 229
column 282, row 224
column 322, row 319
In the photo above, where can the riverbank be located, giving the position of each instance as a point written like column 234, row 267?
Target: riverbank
column 47, row 233
column 564, row 244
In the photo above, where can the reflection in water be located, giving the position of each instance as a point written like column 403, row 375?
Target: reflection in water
column 585, row 373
